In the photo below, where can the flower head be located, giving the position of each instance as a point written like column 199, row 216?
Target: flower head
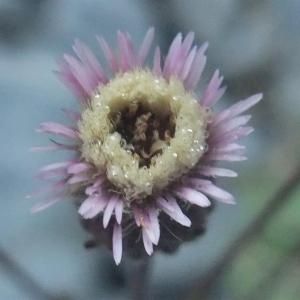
column 144, row 143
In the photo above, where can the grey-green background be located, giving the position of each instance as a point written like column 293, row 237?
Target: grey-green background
column 255, row 44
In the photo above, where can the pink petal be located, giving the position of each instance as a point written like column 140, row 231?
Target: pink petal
column 89, row 60
column 95, row 187
column 237, row 108
column 186, row 44
column 92, row 206
column 217, row 193
column 147, row 226
column 208, row 188
column 175, row 213
column 56, row 166
column 126, row 53
column 109, row 54
column 228, row 148
column 147, row 242
column 182, row 54
column 66, row 76
column 52, row 188
column 230, row 125
column 119, row 211
column 231, row 136
column 46, row 203
column 153, row 217
column 213, row 91
column 82, row 74
column 138, row 216
column 45, row 148
column 117, row 243
column 196, row 69
column 188, row 64
column 59, row 129
column 109, row 210
column 164, row 204
column 172, row 56
column 145, row 47
column 77, row 178
column 65, row 146
column 78, row 168
column 214, row 172
column 192, row 196
column 55, row 169
column 227, row 157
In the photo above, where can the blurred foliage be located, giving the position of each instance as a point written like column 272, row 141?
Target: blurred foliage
column 274, row 254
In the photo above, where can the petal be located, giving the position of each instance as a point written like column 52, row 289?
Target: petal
column 175, row 212
column 45, row 204
column 92, row 206
column 192, row 196
column 64, row 73
column 95, row 188
column 231, row 136
column 172, row 56
column 230, row 125
column 182, row 54
column 77, row 178
column 59, row 129
column 214, row 172
column 228, row 148
column 187, row 43
column 79, row 168
column 82, row 74
column 164, row 204
column 208, row 188
column 145, row 47
column 126, row 52
column 237, row 108
column 89, row 60
column 117, row 243
column 55, row 169
column 153, row 216
column 218, row 193
column 147, row 242
column 109, row 210
column 188, row 64
column 197, row 68
column 45, row 148
column 119, row 211
column 109, row 54
column 213, row 91
column 227, row 157
column 148, row 227
column 57, row 166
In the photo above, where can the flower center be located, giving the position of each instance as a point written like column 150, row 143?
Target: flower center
column 143, row 132
column 146, row 133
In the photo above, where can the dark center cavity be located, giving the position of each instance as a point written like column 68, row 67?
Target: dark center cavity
column 145, row 132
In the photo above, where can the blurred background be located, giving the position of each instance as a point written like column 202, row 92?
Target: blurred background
column 256, row 45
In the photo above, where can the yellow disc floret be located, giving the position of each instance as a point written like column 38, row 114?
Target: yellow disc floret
column 143, row 131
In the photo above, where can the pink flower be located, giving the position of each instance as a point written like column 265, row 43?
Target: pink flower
column 143, row 143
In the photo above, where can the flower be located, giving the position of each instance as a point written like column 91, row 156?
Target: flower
column 144, row 143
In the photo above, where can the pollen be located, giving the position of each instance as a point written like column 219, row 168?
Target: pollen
column 144, row 132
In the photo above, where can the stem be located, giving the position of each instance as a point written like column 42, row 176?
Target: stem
column 138, row 278
column 277, row 201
